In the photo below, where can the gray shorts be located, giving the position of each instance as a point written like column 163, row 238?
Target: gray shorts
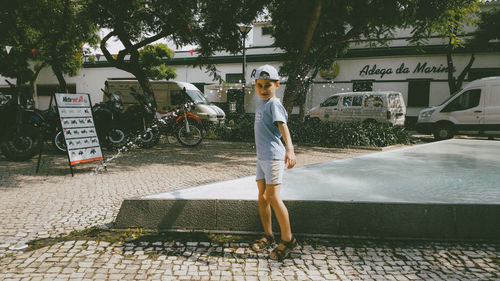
column 270, row 170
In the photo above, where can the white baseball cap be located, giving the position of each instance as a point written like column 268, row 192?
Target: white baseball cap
column 266, row 72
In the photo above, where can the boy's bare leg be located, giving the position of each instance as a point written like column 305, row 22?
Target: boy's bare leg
column 264, row 208
column 273, row 197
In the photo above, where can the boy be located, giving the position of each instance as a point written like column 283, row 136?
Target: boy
column 272, row 155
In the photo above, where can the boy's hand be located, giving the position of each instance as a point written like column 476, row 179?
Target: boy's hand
column 290, row 154
column 290, row 158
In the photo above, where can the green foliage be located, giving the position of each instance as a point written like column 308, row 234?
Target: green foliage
column 488, row 29
column 339, row 23
column 65, row 27
column 343, row 134
column 211, row 25
column 313, row 40
column 239, row 129
column 450, row 23
column 329, row 134
column 152, row 61
column 44, row 32
column 18, row 32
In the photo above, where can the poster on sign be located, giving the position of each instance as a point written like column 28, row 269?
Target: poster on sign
column 75, row 113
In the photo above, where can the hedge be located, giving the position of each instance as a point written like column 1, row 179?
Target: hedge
column 329, row 134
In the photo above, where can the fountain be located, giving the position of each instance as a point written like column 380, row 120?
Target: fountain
column 441, row 190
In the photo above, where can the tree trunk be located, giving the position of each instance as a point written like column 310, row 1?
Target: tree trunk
column 32, row 81
column 296, row 78
column 303, row 95
column 19, row 83
column 132, row 65
column 461, row 77
column 63, row 87
column 456, row 83
column 451, row 67
column 294, row 85
column 146, row 86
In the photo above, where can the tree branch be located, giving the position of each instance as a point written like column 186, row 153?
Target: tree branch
column 461, row 77
column 104, row 50
column 149, row 40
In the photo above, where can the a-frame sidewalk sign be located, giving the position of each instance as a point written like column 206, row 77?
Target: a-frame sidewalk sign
column 77, row 123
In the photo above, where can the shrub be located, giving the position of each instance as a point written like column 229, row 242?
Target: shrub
column 336, row 134
column 238, row 129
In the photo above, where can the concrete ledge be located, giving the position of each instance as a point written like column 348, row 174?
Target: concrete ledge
column 167, row 214
column 368, row 219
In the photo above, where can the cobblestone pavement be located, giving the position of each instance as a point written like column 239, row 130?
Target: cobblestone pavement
column 52, row 204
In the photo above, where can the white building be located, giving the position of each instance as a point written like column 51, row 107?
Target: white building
column 418, row 73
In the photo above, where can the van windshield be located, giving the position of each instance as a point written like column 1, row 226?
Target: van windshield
column 197, row 96
column 450, row 97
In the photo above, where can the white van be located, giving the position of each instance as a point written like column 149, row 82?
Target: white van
column 474, row 110
column 380, row 106
column 168, row 95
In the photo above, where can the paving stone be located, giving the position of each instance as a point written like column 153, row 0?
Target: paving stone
column 88, row 200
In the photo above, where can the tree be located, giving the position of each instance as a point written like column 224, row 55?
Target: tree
column 138, row 23
column 64, row 26
column 44, row 33
column 18, row 39
column 488, row 29
column 151, row 60
column 315, row 33
column 450, row 26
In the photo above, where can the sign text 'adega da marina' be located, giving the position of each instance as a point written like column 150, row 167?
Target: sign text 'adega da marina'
column 403, row 69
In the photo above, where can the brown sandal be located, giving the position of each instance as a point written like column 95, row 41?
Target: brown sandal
column 283, row 249
column 263, row 243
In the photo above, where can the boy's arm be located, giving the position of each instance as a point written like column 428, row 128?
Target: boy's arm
column 290, row 154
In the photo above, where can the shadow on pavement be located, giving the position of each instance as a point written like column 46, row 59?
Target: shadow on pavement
column 55, row 164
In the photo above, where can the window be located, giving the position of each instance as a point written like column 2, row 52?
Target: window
column 196, row 96
column 372, row 101
column 234, row 77
column 331, row 101
column 200, row 86
column 395, row 101
column 176, row 97
column 469, row 99
column 352, row 101
column 48, row 90
column 362, row 86
column 418, row 93
column 267, row 30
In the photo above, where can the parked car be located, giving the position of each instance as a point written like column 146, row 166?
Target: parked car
column 379, row 106
column 474, row 110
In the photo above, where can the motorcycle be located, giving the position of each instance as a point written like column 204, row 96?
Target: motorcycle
column 140, row 120
column 107, row 115
column 19, row 128
column 185, row 126
column 115, row 127
column 51, row 127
